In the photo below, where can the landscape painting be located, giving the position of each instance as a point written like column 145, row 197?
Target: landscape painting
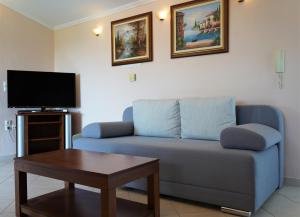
column 132, row 40
column 199, row 27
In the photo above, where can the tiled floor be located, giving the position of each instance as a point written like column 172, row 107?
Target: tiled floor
column 284, row 203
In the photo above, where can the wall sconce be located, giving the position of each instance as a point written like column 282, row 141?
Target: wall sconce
column 240, row 1
column 98, row 31
column 162, row 15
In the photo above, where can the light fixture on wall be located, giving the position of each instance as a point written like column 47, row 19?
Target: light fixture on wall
column 98, row 31
column 163, row 14
column 240, row 1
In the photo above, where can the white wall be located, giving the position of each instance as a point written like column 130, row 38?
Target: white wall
column 257, row 28
column 24, row 45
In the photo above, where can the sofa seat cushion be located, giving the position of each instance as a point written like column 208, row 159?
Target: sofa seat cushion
column 191, row 162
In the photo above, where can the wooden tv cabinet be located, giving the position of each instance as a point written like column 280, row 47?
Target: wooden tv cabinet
column 39, row 132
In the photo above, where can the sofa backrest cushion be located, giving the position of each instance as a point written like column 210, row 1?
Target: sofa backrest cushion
column 205, row 118
column 158, row 118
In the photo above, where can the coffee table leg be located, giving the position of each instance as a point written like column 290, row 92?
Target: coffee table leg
column 108, row 202
column 69, row 186
column 153, row 194
column 20, row 191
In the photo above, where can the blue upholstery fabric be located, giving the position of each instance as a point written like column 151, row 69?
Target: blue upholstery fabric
column 205, row 118
column 265, row 185
column 107, row 130
column 128, row 115
column 196, row 193
column 201, row 164
column 261, row 114
column 266, row 175
column 159, row 118
column 203, row 170
column 271, row 117
column 257, row 137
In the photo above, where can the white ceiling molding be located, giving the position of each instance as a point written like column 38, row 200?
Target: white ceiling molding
column 28, row 16
column 104, row 14
column 60, row 14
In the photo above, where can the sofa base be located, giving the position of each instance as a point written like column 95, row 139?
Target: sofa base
column 205, row 195
column 236, row 212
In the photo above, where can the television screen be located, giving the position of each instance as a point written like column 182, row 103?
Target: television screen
column 28, row 89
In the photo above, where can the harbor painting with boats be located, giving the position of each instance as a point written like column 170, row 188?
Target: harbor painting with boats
column 198, row 26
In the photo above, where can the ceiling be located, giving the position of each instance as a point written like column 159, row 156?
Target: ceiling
column 57, row 14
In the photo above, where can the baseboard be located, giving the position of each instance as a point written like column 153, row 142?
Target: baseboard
column 7, row 157
column 292, row 182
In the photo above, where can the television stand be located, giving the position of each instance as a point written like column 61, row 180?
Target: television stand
column 43, row 110
column 39, row 132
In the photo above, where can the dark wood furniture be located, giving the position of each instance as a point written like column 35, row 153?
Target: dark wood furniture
column 100, row 170
column 40, row 132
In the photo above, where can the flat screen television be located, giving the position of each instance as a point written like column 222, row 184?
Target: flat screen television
column 32, row 89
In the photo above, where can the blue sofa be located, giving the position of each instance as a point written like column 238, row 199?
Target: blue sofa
column 202, row 170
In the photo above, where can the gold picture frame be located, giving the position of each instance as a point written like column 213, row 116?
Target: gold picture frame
column 199, row 27
column 132, row 40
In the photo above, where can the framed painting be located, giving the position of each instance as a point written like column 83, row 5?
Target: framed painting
column 199, row 27
column 132, row 40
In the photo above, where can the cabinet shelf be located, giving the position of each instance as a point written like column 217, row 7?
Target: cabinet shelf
column 44, row 139
column 42, row 132
column 79, row 203
column 44, row 123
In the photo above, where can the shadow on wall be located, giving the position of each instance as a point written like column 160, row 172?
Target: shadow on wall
column 76, row 115
column 76, row 122
column 78, row 95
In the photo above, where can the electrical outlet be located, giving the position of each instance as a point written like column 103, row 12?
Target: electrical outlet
column 8, row 125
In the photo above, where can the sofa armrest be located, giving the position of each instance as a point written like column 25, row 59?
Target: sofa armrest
column 76, row 136
column 256, row 137
column 108, row 130
column 269, row 116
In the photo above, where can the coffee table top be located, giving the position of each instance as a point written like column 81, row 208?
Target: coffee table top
column 100, row 163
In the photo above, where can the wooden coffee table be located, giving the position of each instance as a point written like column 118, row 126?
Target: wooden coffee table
column 99, row 170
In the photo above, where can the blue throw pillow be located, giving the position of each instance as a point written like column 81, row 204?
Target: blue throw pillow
column 108, row 130
column 157, row 118
column 256, row 137
column 205, row 118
